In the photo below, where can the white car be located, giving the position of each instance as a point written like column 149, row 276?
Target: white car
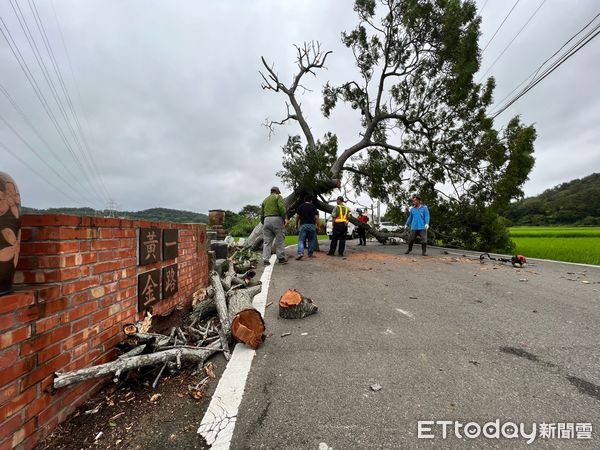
column 352, row 233
column 390, row 227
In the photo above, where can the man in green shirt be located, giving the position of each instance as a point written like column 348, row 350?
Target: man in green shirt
column 273, row 216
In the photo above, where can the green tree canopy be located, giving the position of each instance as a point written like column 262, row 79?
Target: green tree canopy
column 424, row 126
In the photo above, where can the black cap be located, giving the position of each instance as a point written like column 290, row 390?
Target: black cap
column 340, row 198
column 276, row 190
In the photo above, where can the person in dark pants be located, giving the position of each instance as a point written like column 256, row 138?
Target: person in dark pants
column 307, row 220
column 340, row 227
column 418, row 222
column 362, row 233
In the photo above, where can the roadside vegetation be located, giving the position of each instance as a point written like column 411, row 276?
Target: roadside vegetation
column 572, row 244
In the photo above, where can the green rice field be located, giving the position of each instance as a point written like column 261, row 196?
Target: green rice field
column 572, row 244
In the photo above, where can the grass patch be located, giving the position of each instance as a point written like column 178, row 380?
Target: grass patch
column 571, row 244
column 293, row 240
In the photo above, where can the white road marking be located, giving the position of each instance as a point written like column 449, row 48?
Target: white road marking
column 406, row 313
column 218, row 423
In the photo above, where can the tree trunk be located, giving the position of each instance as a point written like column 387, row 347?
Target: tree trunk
column 247, row 324
column 123, row 365
column 204, row 309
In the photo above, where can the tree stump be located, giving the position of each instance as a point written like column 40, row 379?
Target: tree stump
column 293, row 305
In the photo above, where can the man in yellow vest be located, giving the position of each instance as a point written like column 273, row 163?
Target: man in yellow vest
column 340, row 217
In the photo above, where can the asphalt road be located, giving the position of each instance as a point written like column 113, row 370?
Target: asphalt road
column 445, row 337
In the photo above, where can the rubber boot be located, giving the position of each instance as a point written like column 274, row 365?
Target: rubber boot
column 424, row 249
column 409, row 249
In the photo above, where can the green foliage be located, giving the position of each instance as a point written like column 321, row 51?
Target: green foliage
column 305, row 166
column 251, row 212
column 243, row 227
column 575, row 202
column 153, row 214
column 241, row 224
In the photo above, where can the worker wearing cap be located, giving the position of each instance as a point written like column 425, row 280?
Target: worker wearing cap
column 362, row 232
column 273, row 216
column 418, row 222
column 340, row 217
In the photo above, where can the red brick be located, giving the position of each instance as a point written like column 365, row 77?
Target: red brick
column 29, row 314
column 17, row 403
column 80, row 325
column 31, row 442
column 47, row 323
column 106, row 267
column 47, row 293
column 104, row 336
column 84, row 361
column 8, row 392
column 27, row 262
column 65, row 234
column 80, row 311
column 76, row 286
column 82, row 336
column 15, row 370
column 105, row 222
column 100, row 315
column 107, row 255
column 80, row 350
column 45, row 248
column 12, row 302
column 8, row 357
column 80, row 298
column 35, row 407
column 19, row 436
column 46, row 340
column 11, row 425
column 125, row 233
column 26, row 234
column 48, row 353
column 128, row 282
column 105, row 244
column 42, row 220
column 106, row 233
column 8, row 321
column 47, row 369
column 88, row 258
column 127, row 243
column 10, row 338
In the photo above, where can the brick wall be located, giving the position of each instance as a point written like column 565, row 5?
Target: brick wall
column 75, row 288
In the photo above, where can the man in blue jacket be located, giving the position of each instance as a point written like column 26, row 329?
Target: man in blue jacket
column 418, row 222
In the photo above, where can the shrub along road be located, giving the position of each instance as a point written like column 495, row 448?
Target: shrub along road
column 445, row 337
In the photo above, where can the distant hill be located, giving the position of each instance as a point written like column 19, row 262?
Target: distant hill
column 574, row 203
column 153, row 214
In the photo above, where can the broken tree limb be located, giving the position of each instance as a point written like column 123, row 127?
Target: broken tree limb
column 247, row 324
column 203, row 309
column 227, row 279
column 133, row 352
column 222, row 312
column 123, row 365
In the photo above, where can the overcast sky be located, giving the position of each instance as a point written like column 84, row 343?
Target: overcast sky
column 168, row 95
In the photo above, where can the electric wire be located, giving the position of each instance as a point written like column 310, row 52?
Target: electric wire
column 4, row 30
column 53, row 90
column 535, row 72
column 500, row 26
column 22, row 161
column 555, row 65
column 88, row 156
column 512, row 40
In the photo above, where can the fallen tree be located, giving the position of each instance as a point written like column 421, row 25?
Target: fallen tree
column 423, row 120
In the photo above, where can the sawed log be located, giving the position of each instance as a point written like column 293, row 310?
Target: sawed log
column 293, row 305
column 247, row 324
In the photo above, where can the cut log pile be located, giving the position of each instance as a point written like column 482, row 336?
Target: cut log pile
column 221, row 313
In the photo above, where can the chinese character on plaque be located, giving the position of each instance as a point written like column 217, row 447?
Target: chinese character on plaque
column 150, row 240
column 170, row 281
column 170, row 243
column 148, row 289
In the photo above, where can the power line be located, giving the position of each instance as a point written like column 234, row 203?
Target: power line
column 22, row 161
column 500, row 26
column 89, row 159
column 4, row 30
column 485, row 3
column 512, row 40
column 53, row 90
column 555, row 65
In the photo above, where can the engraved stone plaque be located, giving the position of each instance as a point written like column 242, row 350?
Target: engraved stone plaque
column 150, row 240
column 170, row 280
column 148, row 289
column 170, row 247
